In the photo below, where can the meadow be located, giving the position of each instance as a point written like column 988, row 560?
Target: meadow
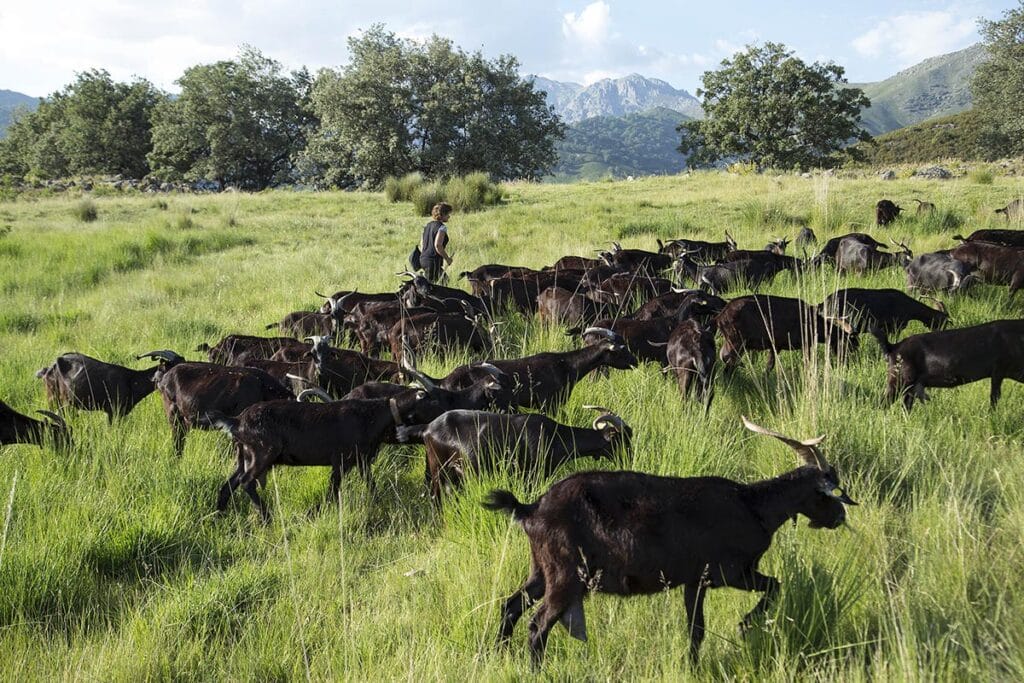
column 113, row 565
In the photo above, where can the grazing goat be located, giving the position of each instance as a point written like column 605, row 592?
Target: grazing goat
column 940, row 271
column 339, row 435
column 461, row 441
column 924, row 208
column 637, row 260
column 78, row 381
column 950, row 358
column 763, row 322
column 995, row 263
column 805, row 238
column 889, row 309
column 444, row 332
column 18, row 428
column 705, row 251
column 828, row 252
column 855, row 256
column 699, row 305
column 722, row 277
column 559, row 306
column 190, row 390
column 886, row 212
column 545, row 381
column 628, row 533
column 339, row 371
column 645, row 339
column 574, row 263
column 236, row 349
column 1014, row 209
column 691, row 356
column 1007, row 238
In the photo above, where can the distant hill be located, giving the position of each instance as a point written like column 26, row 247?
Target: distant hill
column 960, row 136
column 9, row 101
column 938, row 86
column 615, row 97
column 636, row 144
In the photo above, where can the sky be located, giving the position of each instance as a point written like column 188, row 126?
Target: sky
column 44, row 43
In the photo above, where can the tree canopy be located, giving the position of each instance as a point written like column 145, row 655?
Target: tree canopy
column 998, row 84
column 237, row 121
column 769, row 107
column 93, row 125
column 400, row 106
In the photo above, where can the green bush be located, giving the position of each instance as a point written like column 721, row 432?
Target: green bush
column 467, row 193
column 85, row 211
column 981, row 177
column 425, row 196
column 402, row 189
column 472, row 192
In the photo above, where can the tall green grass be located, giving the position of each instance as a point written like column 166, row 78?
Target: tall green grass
column 113, row 565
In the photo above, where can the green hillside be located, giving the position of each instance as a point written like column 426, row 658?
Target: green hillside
column 936, row 87
column 960, row 136
column 621, row 146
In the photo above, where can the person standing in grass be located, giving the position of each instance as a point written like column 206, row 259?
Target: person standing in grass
column 433, row 253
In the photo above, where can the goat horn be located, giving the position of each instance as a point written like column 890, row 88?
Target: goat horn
column 806, row 450
column 607, row 416
column 491, row 370
column 57, row 419
column 166, row 355
column 296, row 378
column 318, row 392
column 603, row 331
column 956, row 278
column 418, row 376
column 657, row 344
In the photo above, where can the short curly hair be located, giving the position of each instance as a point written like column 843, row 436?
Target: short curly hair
column 441, row 211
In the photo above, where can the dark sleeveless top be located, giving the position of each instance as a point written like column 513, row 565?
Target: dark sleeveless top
column 430, row 231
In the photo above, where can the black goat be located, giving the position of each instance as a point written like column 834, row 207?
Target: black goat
column 461, row 441
column 1008, row 238
column 191, row 390
column 950, row 358
column 627, row 533
column 237, row 349
column 18, row 428
column 940, row 271
column 545, row 381
column 763, row 322
column 828, row 252
column 886, row 211
column 79, row 381
column 339, row 435
column 705, row 251
column 890, row 309
column 339, row 371
column 854, row 255
column 691, row 356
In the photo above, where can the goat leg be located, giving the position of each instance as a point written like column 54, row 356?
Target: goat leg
column 694, row 599
column 763, row 584
column 517, row 603
column 996, row 391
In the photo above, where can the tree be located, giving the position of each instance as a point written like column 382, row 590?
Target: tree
column 239, row 122
column 998, row 83
column 769, row 107
column 401, row 106
column 93, row 125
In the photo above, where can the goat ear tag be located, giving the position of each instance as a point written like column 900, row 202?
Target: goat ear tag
column 574, row 621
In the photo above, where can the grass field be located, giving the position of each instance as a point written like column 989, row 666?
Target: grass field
column 113, row 567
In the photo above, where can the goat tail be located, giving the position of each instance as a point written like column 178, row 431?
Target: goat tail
column 271, row 326
column 505, row 501
column 465, row 274
column 411, row 433
column 883, row 341
column 218, row 420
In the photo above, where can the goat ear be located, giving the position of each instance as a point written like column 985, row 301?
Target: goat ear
column 806, row 450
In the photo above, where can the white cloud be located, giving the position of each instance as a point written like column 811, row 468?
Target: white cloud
column 591, row 26
column 913, row 36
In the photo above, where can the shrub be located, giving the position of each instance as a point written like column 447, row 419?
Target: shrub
column 472, row 192
column 85, row 211
column 425, row 196
column 402, row 189
column 981, row 177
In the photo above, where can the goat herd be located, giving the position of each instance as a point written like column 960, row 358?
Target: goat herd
column 625, row 533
